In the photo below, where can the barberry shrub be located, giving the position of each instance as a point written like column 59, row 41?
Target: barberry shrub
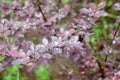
column 82, row 40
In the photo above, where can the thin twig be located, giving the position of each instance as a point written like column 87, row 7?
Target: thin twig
column 101, row 70
column 40, row 9
column 116, row 31
column 114, row 36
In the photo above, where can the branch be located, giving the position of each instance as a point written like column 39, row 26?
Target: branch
column 114, row 36
column 116, row 31
column 101, row 70
column 40, row 9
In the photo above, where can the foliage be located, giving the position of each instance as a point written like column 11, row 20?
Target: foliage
column 43, row 73
column 36, row 32
column 12, row 74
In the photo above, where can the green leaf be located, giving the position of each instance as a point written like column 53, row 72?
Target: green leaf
column 11, row 39
column 110, row 3
column 1, row 58
column 112, row 16
column 116, row 24
column 93, row 40
column 23, row 1
column 64, row 26
column 18, row 75
column 9, row 1
column 43, row 73
column 65, row 3
column 105, row 24
column 12, row 15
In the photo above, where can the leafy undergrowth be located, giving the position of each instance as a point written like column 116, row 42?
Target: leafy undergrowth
column 59, row 40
